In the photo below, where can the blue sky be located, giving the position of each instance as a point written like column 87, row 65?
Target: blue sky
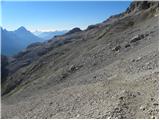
column 50, row 16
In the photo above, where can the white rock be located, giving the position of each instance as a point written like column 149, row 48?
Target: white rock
column 78, row 115
column 109, row 117
column 142, row 108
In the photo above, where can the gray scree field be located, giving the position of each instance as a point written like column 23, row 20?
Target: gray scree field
column 110, row 70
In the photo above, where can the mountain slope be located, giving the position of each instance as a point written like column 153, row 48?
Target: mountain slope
column 109, row 70
column 14, row 41
column 10, row 42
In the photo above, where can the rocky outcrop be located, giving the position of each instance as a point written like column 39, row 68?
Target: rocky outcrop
column 134, row 7
column 141, row 5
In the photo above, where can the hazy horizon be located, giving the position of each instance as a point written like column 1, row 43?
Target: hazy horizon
column 57, row 16
column 34, row 30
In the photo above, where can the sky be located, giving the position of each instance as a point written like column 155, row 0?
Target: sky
column 54, row 15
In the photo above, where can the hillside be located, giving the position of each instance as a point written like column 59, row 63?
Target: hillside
column 109, row 70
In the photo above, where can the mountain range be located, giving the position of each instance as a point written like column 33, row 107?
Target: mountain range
column 17, row 40
column 49, row 35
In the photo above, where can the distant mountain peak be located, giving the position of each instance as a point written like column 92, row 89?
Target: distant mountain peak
column 22, row 28
column 15, row 41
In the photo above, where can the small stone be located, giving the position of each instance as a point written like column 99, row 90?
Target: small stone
column 137, row 38
column 142, row 108
column 139, row 58
column 138, row 93
column 123, row 91
column 157, row 110
column 109, row 117
column 78, row 115
column 147, row 34
column 133, row 60
column 153, row 117
column 149, row 67
column 94, row 77
column 147, row 63
column 155, row 104
column 127, row 45
column 50, row 115
column 94, row 64
column 117, row 48
column 72, row 68
column 50, row 103
column 121, row 98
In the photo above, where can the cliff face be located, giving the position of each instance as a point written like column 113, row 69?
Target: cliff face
column 141, row 5
column 109, row 70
